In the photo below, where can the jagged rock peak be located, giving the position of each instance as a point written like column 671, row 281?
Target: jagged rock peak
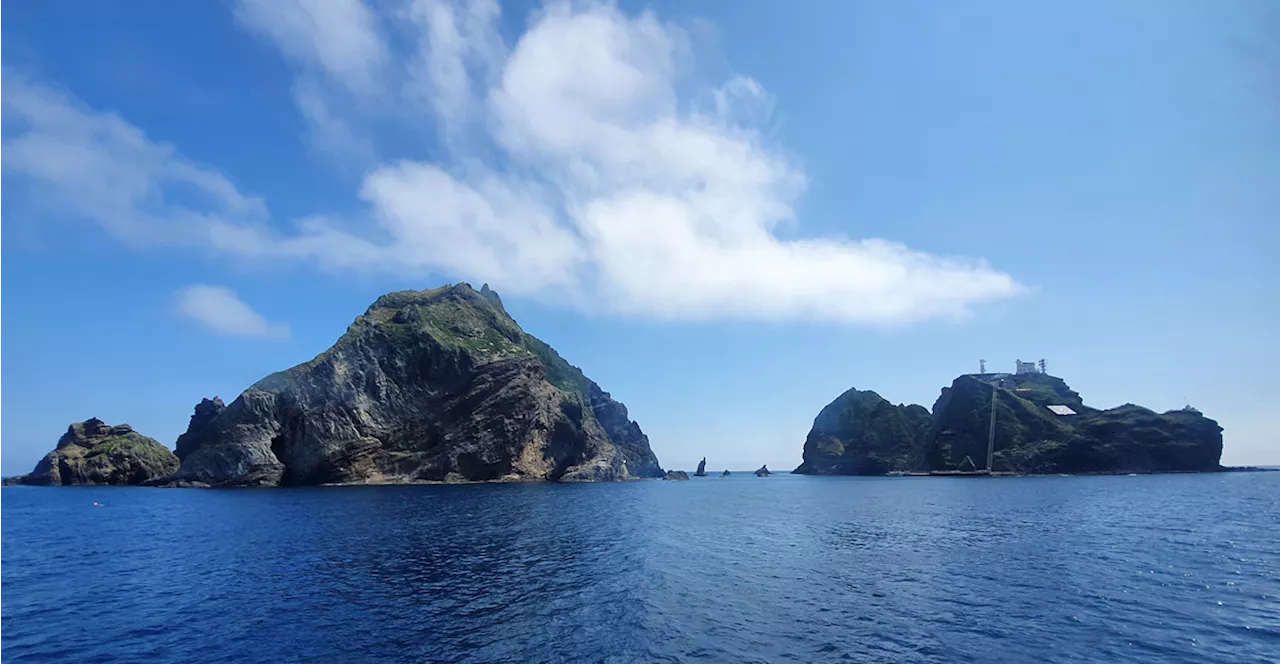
column 702, row 468
column 433, row 385
column 461, row 292
column 492, row 296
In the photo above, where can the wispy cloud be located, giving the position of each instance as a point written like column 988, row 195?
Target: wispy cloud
column 613, row 196
column 220, row 310
column 341, row 54
column 576, row 172
column 96, row 165
column 339, row 38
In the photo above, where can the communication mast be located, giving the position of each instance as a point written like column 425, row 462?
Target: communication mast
column 982, row 366
column 1042, row 370
column 991, row 438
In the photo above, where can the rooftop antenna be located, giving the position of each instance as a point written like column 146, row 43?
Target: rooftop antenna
column 982, row 366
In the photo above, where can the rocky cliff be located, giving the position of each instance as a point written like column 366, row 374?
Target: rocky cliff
column 94, row 452
column 860, row 433
column 436, row 385
column 1030, row 438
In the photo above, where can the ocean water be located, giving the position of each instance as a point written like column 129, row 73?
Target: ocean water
column 1172, row 568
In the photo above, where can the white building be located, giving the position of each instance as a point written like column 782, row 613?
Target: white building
column 1027, row 367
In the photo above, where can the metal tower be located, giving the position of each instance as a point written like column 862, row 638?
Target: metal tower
column 991, row 438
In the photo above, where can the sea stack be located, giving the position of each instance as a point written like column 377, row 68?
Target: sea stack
column 763, row 472
column 94, row 452
column 725, row 473
column 702, row 468
column 437, row 385
column 676, row 475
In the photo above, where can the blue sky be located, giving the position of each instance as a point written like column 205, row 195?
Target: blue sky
column 726, row 213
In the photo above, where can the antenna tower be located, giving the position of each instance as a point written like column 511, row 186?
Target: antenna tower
column 1042, row 370
column 991, row 438
column 982, row 366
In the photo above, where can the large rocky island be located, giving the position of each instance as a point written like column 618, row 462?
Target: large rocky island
column 435, row 385
column 94, row 452
column 1041, row 426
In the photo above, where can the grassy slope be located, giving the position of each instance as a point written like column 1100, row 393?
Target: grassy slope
column 456, row 317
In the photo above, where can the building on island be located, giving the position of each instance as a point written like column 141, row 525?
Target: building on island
column 1027, row 367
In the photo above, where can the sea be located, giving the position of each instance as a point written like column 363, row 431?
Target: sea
column 1153, row 568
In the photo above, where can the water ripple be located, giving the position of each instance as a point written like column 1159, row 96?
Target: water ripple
column 785, row 569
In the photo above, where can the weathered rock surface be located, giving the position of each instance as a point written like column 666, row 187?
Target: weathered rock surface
column 436, row 385
column 860, row 433
column 702, row 468
column 724, row 474
column 94, row 452
column 1031, row 439
column 676, row 475
column 763, row 471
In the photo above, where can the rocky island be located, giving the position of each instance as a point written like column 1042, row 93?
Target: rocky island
column 435, row 385
column 94, row 452
column 1041, row 426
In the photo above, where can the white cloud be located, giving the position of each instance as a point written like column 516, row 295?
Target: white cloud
column 220, row 310
column 743, row 99
column 341, row 38
column 97, row 166
column 329, row 132
column 341, row 50
column 459, row 53
column 576, row 173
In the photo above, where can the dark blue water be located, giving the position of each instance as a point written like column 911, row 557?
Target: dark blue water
column 1177, row 568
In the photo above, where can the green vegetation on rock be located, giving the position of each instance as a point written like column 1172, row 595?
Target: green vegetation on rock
column 93, row 452
column 434, row 385
column 860, row 433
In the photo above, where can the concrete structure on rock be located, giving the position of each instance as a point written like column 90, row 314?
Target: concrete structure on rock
column 1029, row 367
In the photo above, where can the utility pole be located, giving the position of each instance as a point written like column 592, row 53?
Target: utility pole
column 991, row 438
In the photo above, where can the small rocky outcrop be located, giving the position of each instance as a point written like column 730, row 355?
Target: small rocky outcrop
column 763, row 472
column 676, row 475
column 439, row 385
column 724, row 474
column 94, row 452
column 702, row 468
